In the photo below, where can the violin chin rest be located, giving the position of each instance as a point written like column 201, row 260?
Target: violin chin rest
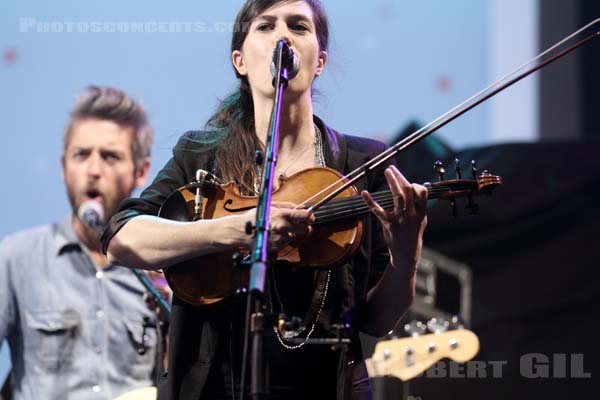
column 175, row 208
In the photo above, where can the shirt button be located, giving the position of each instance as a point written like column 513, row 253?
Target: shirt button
column 98, row 349
column 96, row 388
column 99, row 313
column 99, row 274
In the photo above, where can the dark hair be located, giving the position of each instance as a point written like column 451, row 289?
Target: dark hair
column 111, row 104
column 234, row 119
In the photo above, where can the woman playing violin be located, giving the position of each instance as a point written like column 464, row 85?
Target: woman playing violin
column 371, row 291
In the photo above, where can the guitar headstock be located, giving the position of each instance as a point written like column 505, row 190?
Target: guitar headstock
column 409, row 357
column 480, row 183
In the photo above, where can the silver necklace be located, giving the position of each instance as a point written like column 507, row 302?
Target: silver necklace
column 282, row 336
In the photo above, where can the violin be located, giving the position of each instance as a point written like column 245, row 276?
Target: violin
column 337, row 230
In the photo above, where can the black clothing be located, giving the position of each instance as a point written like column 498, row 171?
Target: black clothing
column 200, row 338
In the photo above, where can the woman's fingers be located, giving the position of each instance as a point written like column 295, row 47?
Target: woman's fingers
column 409, row 199
column 288, row 223
column 402, row 191
column 420, row 196
column 379, row 211
column 293, row 212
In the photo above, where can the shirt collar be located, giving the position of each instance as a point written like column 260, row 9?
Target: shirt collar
column 64, row 235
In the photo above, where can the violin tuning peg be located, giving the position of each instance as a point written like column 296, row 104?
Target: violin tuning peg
column 457, row 168
column 483, row 177
column 474, row 169
column 439, row 169
column 472, row 206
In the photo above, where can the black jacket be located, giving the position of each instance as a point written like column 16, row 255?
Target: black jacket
column 196, row 332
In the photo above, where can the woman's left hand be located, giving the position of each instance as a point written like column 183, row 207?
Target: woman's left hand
column 403, row 226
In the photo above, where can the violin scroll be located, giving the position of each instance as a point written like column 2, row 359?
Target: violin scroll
column 483, row 183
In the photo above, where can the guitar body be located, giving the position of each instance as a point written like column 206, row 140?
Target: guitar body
column 210, row 279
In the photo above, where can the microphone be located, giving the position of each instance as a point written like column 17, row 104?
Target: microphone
column 91, row 213
column 288, row 60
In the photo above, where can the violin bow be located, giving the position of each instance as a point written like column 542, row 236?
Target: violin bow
column 449, row 116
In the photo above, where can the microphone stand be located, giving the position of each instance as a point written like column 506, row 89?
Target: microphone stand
column 258, row 387
column 162, row 320
column 157, row 298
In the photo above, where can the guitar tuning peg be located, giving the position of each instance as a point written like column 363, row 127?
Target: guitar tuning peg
column 439, row 169
column 437, row 325
column 457, row 168
column 391, row 335
column 474, row 169
column 472, row 206
column 457, row 322
column 415, row 328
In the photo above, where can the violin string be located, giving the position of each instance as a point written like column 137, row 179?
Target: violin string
column 353, row 208
column 356, row 201
column 349, row 179
column 349, row 213
column 338, row 208
column 352, row 204
column 433, row 192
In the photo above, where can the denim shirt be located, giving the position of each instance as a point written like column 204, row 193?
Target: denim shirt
column 74, row 331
